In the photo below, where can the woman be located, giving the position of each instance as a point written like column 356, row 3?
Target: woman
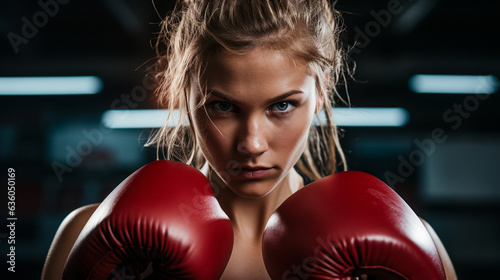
column 249, row 77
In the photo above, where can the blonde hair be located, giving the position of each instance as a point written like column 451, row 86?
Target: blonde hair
column 306, row 29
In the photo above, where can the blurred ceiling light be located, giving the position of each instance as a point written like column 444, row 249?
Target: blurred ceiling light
column 363, row 117
column 138, row 118
column 50, row 85
column 368, row 117
column 454, row 84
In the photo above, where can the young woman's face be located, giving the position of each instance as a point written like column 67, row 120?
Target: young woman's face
column 255, row 123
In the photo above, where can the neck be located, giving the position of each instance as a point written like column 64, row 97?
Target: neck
column 250, row 215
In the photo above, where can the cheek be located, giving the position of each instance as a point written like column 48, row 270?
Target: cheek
column 218, row 139
column 215, row 141
column 292, row 137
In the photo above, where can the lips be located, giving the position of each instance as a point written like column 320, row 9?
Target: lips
column 250, row 172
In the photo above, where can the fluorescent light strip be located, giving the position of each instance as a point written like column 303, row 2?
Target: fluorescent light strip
column 362, row 117
column 454, row 84
column 368, row 117
column 50, row 85
column 138, row 118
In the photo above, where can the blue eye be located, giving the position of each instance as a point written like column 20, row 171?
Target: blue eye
column 223, row 106
column 283, row 106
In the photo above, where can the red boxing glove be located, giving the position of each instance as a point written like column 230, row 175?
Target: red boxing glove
column 164, row 216
column 346, row 225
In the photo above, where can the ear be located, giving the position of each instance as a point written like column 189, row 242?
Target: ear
column 321, row 97
column 319, row 102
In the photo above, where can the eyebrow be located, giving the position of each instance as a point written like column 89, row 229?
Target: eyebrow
column 272, row 100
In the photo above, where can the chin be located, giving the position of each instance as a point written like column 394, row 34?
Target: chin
column 252, row 189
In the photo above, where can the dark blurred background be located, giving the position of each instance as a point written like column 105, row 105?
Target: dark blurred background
column 445, row 161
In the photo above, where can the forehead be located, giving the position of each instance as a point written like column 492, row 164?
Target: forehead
column 259, row 70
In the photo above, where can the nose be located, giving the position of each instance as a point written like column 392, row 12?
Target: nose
column 252, row 140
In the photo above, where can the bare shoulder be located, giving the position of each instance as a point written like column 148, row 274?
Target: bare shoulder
column 81, row 213
column 445, row 258
column 64, row 239
column 73, row 224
